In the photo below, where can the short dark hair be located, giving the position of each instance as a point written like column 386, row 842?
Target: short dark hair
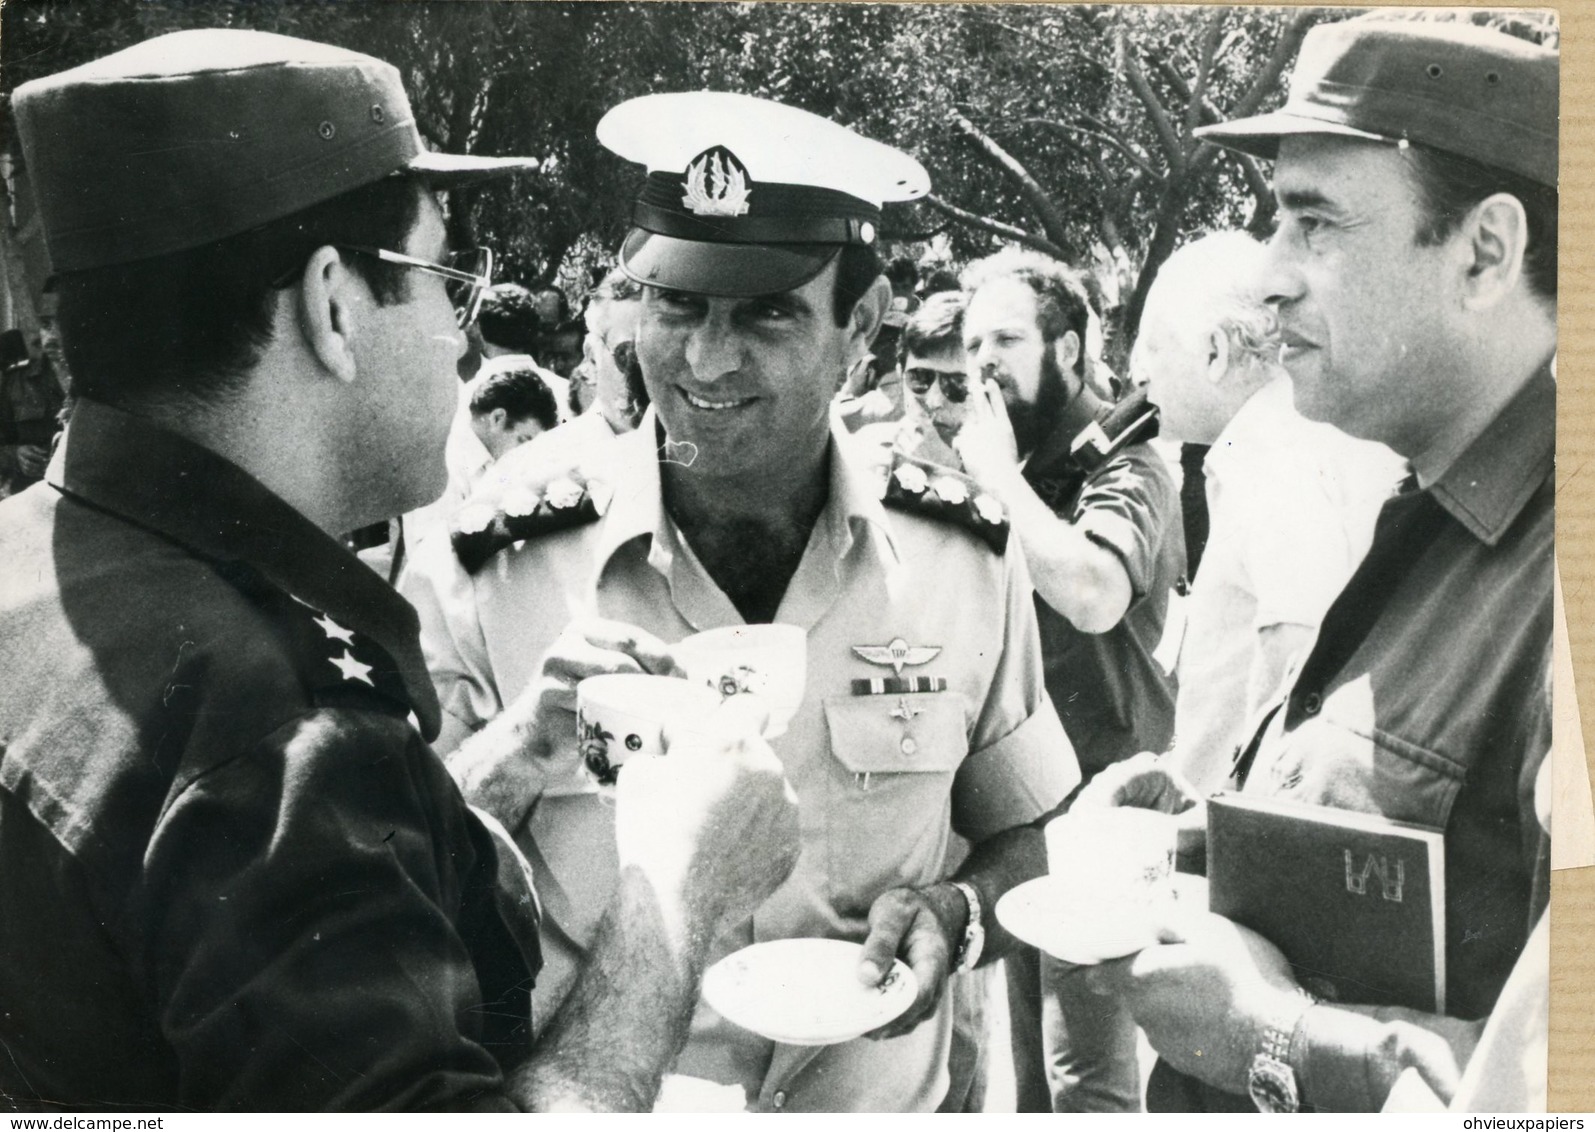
column 508, row 318
column 935, row 328
column 189, row 327
column 1062, row 302
column 521, row 392
column 857, row 268
column 1448, row 188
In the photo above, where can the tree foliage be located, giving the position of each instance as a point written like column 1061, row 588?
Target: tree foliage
column 1065, row 128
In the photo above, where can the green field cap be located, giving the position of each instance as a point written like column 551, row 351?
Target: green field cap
column 1467, row 90
column 195, row 136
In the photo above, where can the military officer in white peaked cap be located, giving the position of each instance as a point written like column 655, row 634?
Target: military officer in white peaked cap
column 924, row 724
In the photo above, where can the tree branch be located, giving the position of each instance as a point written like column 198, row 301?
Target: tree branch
column 1036, row 196
column 1204, row 67
column 1064, row 128
column 1155, row 110
column 995, row 227
column 1268, row 75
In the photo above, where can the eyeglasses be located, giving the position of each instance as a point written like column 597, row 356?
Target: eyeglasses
column 467, row 273
column 954, row 386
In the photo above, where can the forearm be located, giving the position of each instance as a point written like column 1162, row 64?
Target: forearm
column 497, row 769
column 1082, row 580
column 627, row 1016
column 1347, row 1058
column 994, row 866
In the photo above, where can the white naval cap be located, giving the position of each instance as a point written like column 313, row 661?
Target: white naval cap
column 745, row 196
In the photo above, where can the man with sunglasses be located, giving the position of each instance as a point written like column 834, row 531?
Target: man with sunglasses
column 235, row 875
column 934, row 374
column 1100, row 527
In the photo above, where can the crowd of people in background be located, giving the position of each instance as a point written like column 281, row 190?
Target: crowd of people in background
column 753, row 418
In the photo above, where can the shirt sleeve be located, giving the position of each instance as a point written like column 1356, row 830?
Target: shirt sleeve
column 1128, row 506
column 444, row 597
column 305, row 904
column 1020, row 764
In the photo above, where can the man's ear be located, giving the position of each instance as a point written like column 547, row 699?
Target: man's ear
column 1217, row 355
column 1067, row 352
column 327, row 311
column 866, row 319
column 1496, row 234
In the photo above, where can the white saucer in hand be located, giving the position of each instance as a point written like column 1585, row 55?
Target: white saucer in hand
column 806, row 992
column 1077, row 925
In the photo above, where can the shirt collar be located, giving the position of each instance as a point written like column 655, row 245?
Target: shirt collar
column 636, row 509
column 1487, row 487
column 134, row 468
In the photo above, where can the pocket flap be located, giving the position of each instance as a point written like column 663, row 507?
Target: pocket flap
column 919, row 733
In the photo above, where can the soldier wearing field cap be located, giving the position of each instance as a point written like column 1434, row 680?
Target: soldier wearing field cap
column 236, row 876
column 736, row 501
column 1414, row 276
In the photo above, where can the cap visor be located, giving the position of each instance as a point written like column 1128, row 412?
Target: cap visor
column 447, row 170
column 1260, row 136
column 726, row 270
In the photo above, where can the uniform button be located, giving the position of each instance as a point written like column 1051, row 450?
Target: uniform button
column 908, row 746
column 779, row 1100
column 1311, row 703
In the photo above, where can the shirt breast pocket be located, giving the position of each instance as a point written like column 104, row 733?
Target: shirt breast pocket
column 889, row 791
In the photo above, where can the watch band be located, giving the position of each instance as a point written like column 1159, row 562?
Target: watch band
column 1271, row 1081
column 974, row 941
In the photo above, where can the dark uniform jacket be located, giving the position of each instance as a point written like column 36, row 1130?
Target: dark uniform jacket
column 1113, row 696
column 1426, row 699
column 232, row 874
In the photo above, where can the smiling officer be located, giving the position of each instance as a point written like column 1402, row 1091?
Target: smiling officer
column 735, row 502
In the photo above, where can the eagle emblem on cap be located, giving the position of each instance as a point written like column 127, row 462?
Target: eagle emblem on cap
column 898, row 654
column 717, row 184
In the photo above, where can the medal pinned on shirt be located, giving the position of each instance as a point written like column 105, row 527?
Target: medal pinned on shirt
column 897, row 655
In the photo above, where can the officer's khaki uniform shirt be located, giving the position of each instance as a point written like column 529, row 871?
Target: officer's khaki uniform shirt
column 882, row 780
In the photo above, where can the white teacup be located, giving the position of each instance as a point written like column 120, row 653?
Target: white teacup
column 624, row 714
column 769, row 661
column 1118, row 855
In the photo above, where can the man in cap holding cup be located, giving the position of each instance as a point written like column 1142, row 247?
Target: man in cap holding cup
column 1414, row 274
column 248, row 882
column 737, row 502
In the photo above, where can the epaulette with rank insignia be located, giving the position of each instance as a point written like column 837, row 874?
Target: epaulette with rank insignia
column 480, row 529
column 342, row 667
column 941, row 493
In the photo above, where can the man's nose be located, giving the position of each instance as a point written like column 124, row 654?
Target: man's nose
column 714, row 349
column 933, row 397
column 1279, row 279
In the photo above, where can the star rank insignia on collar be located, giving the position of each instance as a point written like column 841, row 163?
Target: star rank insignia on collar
column 352, row 669
column 335, row 631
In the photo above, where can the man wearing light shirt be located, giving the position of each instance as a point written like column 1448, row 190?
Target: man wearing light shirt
column 1292, row 501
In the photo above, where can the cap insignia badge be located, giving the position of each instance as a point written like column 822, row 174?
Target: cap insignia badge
column 717, row 184
column 897, row 655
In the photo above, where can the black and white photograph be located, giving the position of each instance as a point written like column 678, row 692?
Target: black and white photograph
column 612, row 555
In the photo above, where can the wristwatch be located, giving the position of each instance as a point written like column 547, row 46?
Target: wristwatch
column 974, row 943
column 1271, row 1082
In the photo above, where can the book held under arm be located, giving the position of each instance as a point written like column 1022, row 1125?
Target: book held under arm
column 1355, row 901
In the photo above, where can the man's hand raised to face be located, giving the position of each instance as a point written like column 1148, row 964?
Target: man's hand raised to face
column 985, row 442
